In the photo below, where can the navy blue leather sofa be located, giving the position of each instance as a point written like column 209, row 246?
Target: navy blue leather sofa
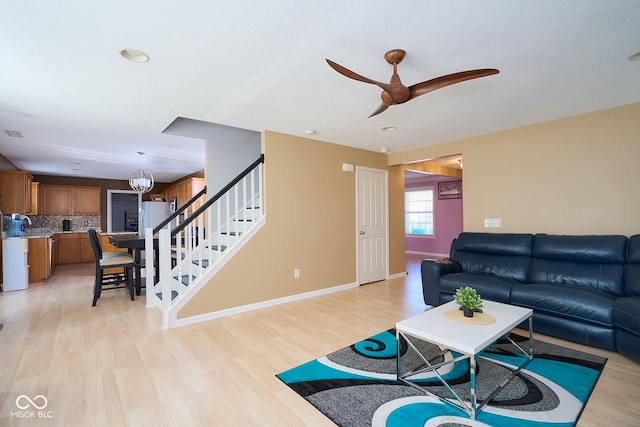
column 584, row 289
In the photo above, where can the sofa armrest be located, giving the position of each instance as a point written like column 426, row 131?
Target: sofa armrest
column 431, row 271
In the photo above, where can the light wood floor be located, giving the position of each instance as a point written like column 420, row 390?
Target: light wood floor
column 112, row 365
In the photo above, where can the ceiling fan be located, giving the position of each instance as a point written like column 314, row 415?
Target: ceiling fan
column 395, row 92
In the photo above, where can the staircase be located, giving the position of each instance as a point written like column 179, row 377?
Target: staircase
column 191, row 249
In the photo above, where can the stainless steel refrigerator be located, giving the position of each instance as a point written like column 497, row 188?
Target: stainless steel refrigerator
column 153, row 213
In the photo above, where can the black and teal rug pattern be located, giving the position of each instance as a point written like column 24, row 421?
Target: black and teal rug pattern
column 357, row 386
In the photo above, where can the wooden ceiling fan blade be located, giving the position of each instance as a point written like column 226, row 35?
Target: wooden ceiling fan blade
column 348, row 73
column 379, row 110
column 440, row 82
column 355, row 76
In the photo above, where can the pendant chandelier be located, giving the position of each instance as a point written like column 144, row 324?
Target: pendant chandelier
column 141, row 180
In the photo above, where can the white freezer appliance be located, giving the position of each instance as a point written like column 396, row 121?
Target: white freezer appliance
column 153, row 213
column 14, row 264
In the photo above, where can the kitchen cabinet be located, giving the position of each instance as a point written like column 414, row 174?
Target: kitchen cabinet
column 184, row 191
column 68, row 200
column 72, row 247
column 39, row 259
column 66, row 248
column 56, row 200
column 35, row 197
column 86, row 201
column 15, row 192
column 85, row 251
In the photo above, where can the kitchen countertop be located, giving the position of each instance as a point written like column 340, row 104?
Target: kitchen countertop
column 35, row 232
column 40, row 232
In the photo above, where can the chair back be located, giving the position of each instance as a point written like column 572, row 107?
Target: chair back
column 95, row 244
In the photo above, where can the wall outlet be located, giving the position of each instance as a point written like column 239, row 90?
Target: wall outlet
column 296, row 273
column 493, row 223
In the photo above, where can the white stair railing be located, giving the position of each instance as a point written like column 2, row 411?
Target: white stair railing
column 190, row 251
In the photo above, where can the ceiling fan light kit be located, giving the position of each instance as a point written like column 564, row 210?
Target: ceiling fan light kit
column 395, row 92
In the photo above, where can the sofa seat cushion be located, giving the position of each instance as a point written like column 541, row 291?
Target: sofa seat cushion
column 488, row 286
column 626, row 314
column 587, row 305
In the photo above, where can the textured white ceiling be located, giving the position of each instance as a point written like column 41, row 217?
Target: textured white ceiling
column 261, row 65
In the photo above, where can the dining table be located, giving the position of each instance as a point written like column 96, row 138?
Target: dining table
column 135, row 244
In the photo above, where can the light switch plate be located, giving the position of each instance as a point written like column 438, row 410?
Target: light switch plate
column 492, row 223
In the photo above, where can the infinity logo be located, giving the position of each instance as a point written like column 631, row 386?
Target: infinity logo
column 20, row 399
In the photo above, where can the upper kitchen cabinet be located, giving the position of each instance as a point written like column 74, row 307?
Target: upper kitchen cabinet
column 35, row 197
column 86, row 200
column 183, row 191
column 15, row 192
column 67, row 200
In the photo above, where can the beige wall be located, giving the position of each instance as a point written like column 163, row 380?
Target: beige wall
column 577, row 175
column 396, row 220
column 311, row 219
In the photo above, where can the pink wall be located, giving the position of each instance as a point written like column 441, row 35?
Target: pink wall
column 448, row 223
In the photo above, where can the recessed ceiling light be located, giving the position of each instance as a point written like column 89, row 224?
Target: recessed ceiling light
column 134, row 55
column 310, row 132
column 384, row 150
column 635, row 57
column 389, row 128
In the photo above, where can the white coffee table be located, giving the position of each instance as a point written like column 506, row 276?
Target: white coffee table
column 467, row 339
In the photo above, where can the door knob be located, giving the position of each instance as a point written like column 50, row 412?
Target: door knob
column 361, row 232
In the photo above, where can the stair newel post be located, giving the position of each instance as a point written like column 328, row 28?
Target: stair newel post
column 164, row 251
column 260, row 189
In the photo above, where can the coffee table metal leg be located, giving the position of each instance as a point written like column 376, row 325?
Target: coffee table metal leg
column 472, row 384
column 473, row 406
column 429, row 367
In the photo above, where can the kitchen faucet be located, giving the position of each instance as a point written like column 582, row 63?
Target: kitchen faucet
column 23, row 217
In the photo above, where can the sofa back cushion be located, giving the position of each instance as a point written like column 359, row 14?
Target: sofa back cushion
column 594, row 262
column 632, row 268
column 502, row 255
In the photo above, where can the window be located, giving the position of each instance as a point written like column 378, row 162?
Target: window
column 418, row 211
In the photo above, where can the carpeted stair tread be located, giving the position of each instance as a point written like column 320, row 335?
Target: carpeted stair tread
column 174, row 295
column 185, row 279
column 205, row 262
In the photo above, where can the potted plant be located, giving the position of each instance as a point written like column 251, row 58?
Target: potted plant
column 468, row 299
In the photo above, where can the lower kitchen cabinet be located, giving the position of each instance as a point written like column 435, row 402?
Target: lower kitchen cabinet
column 85, row 253
column 72, row 248
column 39, row 259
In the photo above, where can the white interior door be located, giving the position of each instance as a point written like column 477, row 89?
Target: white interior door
column 372, row 224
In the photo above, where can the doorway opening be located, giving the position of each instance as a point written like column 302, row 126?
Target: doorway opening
column 444, row 218
column 123, row 211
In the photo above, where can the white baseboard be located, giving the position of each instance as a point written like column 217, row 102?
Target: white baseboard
column 259, row 305
column 397, row 275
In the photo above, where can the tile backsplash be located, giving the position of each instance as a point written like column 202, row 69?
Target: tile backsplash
column 78, row 222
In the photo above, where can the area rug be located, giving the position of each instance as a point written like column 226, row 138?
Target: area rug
column 357, row 386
